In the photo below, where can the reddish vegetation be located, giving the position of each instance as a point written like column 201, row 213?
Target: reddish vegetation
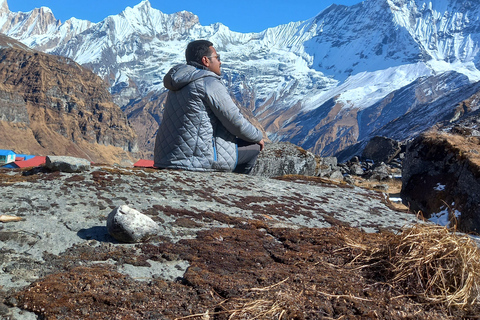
column 239, row 272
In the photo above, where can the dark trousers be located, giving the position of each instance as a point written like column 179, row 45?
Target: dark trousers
column 247, row 156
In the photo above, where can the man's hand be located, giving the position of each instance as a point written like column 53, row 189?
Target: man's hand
column 262, row 144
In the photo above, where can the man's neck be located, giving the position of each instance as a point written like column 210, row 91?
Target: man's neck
column 197, row 65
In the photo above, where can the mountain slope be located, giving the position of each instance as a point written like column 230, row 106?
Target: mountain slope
column 307, row 82
column 52, row 105
column 428, row 102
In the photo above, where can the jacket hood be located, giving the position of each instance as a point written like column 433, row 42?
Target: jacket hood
column 182, row 74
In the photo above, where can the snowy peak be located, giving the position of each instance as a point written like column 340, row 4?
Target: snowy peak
column 39, row 28
column 302, row 80
column 4, row 7
column 22, row 25
column 379, row 34
column 448, row 30
column 360, row 38
column 143, row 4
column 144, row 19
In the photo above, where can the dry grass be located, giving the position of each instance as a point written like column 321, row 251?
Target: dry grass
column 265, row 309
column 443, row 265
column 464, row 147
column 393, row 191
column 432, row 263
column 259, row 303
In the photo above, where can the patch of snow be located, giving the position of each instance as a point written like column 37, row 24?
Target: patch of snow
column 396, row 199
column 442, row 217
column 439, row 187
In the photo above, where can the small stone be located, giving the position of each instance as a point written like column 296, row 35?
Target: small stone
column 3, row 310
column 336, row 175
column 381, row 172
column 348, row 179
column 356, row 169
column 355, row 159
column 129, row 225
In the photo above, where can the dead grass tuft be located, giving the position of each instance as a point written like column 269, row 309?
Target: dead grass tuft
column 258, row 303
column 432, row 263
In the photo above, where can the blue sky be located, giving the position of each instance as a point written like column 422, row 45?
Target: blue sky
column 238, row 15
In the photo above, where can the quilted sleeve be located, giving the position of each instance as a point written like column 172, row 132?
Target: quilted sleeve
column 221, row 104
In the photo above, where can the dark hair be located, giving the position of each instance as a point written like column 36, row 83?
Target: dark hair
column 196, row 50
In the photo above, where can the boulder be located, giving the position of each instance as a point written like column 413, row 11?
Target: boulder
column 328, row 168
column 381, row 149
column 199, row 214
column 67, row 164
column 380, row 172
column 441, row 178
column 356, row 169
column 129, row 225
column 279, row 159
column 335, row 175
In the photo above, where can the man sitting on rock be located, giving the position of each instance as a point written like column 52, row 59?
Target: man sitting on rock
column 202, row 129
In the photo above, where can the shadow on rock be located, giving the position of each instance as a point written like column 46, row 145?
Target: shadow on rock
column 98, row 233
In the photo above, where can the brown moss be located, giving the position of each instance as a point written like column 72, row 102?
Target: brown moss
column 101, row 293
column 234, row 274
column 311, row 179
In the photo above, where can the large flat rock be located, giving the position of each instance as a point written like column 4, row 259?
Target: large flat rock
column 65, row 211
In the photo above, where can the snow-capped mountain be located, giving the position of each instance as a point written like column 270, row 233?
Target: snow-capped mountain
column 38, row 28
column 309, row 82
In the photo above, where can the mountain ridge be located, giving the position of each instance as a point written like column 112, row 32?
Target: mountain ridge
column 342, row 61
column 50, row 105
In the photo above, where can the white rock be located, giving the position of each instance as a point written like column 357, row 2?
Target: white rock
column 67, row 164
column 128, row 225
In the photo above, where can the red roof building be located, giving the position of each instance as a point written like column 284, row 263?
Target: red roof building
column 33, row 162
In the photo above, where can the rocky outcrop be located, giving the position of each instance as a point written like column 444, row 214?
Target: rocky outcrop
column 13, row 108
column 441, row 178
column 66, row 164
column 381, row 149
column 64, row 227
column 381, row 160
column 278, row 159
column 59, row 108
column 282, row 158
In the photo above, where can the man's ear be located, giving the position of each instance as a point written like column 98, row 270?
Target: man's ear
column 205, row 61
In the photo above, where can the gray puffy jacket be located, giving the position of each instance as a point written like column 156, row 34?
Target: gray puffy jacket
column 200, row 123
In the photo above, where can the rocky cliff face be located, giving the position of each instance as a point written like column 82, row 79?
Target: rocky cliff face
column 52, row 105
column 441, row 178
